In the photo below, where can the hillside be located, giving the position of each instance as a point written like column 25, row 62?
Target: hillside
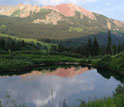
column 61, row 22
column 9, row 42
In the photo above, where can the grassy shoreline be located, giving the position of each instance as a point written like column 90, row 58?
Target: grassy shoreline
column 117, row 100
column 113, row 63
column 17, row 61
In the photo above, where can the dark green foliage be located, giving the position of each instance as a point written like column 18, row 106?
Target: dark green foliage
column 119, row 90
column 112, row 63
column 109, row 45
column 2, row 44
column 96, row 49
column 89, row 48
column 14, row 45
column 17, row 61
column 123, row 46
column 114, row 49
column 23, row 43
column 119, row 48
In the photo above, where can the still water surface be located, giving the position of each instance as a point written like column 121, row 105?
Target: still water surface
column 52, row 88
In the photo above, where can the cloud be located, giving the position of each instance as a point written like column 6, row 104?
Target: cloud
column 90, row 0
column 107, row 4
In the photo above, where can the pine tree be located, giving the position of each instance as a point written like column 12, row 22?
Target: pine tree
column 13, row 46
column 96, row 49
column 123, row 46
column 89, row 47
column 109, row 45
column 114, row 48
column 64, row 103
column 19, row 45
column 119, row 48
column 23, row 43
column 2, row 44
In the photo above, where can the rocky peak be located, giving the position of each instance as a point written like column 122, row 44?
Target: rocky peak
column 70, row 10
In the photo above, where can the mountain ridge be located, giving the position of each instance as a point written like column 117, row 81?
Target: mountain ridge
column 59, row 8
column 61, row 22
column 67, row 10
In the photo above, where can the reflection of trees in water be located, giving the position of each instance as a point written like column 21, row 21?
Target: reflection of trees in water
column 89, row 67
column 52, row 96
column 44, row 67
column 108, row 74
column 8, row 101
column 64, row 103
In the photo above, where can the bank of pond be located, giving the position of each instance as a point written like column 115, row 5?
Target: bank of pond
column 18, row 61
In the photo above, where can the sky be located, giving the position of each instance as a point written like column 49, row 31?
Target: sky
column 110, row 8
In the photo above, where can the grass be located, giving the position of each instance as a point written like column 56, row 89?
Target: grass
column 76, row 29
column 27, row 59
column 21, row 60
column 116, row 101
column 2, row 27
column 112, row 63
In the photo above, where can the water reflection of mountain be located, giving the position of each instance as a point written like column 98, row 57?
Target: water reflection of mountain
column 68, row 71
column 61, row 72
column 41, row 68
column 46, row 88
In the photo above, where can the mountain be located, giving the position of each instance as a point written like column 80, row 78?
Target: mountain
column 60, row 22
column 21, row 10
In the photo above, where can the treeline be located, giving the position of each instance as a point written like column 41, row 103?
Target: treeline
column 7, row 43
column 92, row 48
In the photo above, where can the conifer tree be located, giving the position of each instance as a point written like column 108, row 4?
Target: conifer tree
column 2, row 43
column 96, row 49
column 23, row 43
column 13, row 46
column 89, row 47
column 119, row 48
column 109, row 44
column 123, row 46
column 114, row 48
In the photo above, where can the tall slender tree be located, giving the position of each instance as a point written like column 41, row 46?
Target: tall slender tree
column 89, row 47
column 119, row 48
column 96, row 49
column 23, row 43
column 114, row 48
column 13, row 46
column 2, row 43
column 109, row 44
column 123, row 46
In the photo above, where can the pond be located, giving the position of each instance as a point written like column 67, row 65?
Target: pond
column 57, row 86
